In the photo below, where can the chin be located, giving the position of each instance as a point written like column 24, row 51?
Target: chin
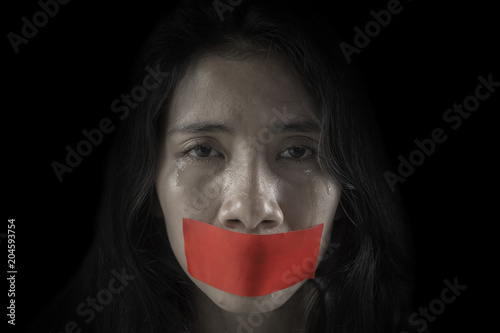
column 244, row 305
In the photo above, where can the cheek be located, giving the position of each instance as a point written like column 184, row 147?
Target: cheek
column 309, row 199
column 188, row 191
column 328, row 199
column 185, row 192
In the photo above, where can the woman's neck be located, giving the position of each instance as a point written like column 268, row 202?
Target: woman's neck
column 287, row 318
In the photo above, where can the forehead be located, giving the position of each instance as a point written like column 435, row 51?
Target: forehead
column 239, row 91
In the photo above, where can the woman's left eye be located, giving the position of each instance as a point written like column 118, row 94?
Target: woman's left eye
column 297, row 152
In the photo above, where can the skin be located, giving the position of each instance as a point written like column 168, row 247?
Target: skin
column 251, row 171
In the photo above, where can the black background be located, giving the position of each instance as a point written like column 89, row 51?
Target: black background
column 424, row 61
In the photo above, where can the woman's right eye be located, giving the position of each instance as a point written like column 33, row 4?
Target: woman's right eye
column 202, row 151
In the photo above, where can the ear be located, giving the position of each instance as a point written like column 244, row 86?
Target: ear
column 155, row 205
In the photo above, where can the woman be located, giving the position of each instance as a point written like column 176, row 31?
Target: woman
column 256, row 125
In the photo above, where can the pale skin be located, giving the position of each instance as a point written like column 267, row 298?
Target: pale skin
column 239, row 153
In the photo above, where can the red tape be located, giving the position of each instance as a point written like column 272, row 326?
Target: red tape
column 247, row 264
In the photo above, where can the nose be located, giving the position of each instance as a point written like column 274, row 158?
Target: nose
column 251, row 205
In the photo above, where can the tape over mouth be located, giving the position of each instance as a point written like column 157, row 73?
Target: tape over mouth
column 247, row 264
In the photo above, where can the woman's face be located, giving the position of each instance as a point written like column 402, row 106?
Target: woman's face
column 240, row 154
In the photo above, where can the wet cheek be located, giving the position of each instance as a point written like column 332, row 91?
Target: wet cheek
column 309, row 200
column 191, row 192
column 327, row 196
column 328, row 203
column 184, row 193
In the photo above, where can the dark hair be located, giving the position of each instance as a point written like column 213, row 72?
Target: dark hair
column 362, row 286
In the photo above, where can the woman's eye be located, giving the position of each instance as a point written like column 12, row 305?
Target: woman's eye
column 202, row 151
column 297, row 152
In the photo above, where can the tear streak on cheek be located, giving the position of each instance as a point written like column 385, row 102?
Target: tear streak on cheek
column 180, row 165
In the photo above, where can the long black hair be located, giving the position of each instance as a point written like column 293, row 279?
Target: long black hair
column 361, row 286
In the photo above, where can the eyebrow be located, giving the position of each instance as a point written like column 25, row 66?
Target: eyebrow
column 303, row 126
column 201, row 127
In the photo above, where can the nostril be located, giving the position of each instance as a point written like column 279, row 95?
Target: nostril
column 270, row 223
column 237, row 224
column 232, row 223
